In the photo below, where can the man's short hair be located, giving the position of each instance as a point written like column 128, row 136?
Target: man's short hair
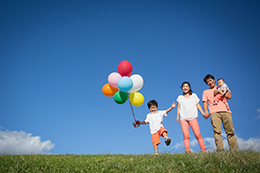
column 209, row 76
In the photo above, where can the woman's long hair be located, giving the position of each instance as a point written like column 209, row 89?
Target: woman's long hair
column 190, row 91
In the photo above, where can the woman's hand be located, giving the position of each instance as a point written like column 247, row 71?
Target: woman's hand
column 206, row 115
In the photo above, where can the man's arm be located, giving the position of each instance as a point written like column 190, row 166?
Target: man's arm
column 205, row 106
column 228, row 94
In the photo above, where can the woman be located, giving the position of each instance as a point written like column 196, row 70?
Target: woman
column 188, row 106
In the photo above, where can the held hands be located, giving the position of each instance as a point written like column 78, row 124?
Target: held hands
column 206, row 115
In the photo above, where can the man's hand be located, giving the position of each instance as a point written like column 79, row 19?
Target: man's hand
column 217, row 91
column 206, row 115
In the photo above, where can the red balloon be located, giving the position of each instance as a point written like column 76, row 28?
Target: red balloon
column 125, row 68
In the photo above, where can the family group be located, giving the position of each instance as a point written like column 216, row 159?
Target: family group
column 215, row 105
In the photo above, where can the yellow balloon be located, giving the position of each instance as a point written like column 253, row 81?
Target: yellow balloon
column 136, row 98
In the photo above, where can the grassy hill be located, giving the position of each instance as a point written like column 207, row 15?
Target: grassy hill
column 243, row 161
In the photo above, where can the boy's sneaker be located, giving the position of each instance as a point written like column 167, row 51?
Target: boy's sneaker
column 156, row 152
column 168, row 141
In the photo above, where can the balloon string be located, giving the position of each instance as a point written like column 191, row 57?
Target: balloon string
column 132, row 110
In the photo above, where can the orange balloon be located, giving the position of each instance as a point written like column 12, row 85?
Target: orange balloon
column 108, row 90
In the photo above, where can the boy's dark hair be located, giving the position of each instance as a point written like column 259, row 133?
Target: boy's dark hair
column 209, row 76
column 190, row 91
column 152, row 103
column 221, row 79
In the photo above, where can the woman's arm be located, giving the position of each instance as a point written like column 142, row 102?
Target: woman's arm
column 178, row 113
column 200, row 109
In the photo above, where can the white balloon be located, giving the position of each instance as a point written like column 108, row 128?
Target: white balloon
column 138, row 83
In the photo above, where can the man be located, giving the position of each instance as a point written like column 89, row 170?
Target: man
column 219, row 113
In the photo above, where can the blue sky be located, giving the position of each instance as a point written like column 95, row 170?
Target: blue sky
column 55, row 56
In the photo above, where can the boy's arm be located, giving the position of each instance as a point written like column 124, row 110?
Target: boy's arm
column 143, row 122
column 170, row 108
column 137, row 123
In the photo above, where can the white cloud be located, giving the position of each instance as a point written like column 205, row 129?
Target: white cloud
column 177, row 146
column 14, row 142
column 250, row 144
column 258, row 116
column 194, row 142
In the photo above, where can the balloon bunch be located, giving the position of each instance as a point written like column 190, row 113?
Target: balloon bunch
column 123, row 85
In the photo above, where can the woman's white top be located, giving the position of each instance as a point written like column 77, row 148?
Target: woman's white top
column 188, row 108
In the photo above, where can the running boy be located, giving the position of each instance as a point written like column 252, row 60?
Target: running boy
column 222, row 90
column 155, row 119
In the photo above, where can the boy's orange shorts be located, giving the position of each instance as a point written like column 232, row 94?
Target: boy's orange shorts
column 156, row 136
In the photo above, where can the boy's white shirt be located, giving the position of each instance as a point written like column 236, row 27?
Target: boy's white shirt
column 155, row 120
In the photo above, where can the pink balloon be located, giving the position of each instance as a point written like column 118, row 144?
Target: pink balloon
column 113, row 79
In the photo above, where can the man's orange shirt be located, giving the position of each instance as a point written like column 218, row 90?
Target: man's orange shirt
column 208, row 96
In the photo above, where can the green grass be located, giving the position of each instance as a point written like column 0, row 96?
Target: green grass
column 243, row 161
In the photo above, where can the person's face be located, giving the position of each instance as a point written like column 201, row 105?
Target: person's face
column 153, row 108
column 211, row 82
column 220, row 82
column 185, row 88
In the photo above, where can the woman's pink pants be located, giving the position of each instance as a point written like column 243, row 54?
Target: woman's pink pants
column 186, row 135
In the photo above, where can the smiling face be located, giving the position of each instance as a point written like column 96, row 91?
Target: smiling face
column 153, row 109
column 185, row 88
column 211, row 82
column 220, row 82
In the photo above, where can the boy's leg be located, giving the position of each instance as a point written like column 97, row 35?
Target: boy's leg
column 216, row 125
column 186, row 135
column 156, row 149
column 196, row 130
column 156, row 141
column 229, row 128
column 164, row 133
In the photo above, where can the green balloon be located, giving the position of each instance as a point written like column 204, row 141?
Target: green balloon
column 120, row 97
